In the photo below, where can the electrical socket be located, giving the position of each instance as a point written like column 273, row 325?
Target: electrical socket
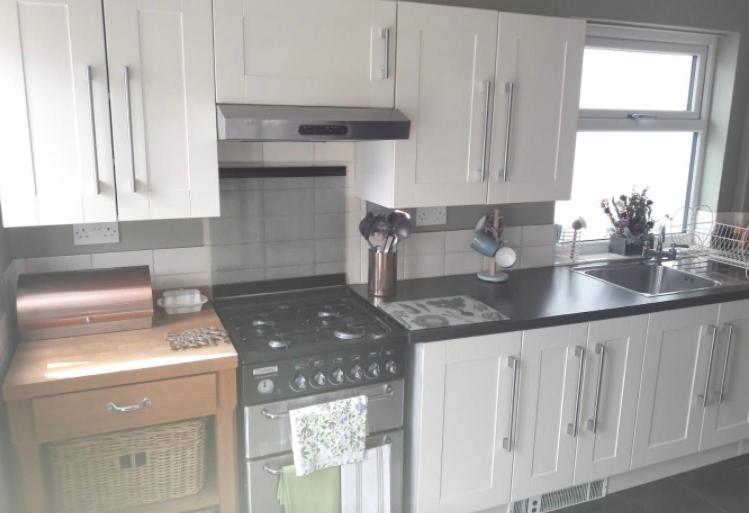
column 96, row 233
column 431, row 216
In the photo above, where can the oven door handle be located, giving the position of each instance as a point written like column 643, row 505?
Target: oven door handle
column 278, row 471
column 283, row 414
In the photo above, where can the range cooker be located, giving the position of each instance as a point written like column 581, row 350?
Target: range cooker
column 304, row 347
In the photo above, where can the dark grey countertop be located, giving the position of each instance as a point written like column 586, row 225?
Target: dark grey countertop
column 545, row 296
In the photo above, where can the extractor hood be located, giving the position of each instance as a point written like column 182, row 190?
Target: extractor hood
column 240, row 122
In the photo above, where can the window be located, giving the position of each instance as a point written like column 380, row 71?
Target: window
column 643, row 117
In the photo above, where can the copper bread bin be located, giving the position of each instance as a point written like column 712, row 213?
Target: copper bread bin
column 64, row 304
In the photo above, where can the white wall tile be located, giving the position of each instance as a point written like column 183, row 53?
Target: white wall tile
column 232, row 230
column 123, row 259
column 288, row 152
column 330, row 226
column 422, row 266
column 291, row 271
column 462, row 263
column 538, row 235
column 237, row 276
column 182, row 260
column 175, row 281
column 537, row 256
column 237, row 256
column 241, row 203
column 427, row 243
column 279, row 228
column 240, row 151
column 288, row 253
column 330, row 250
column 57, row 263
column 330, row 182
column 513, row 236
column 458, row 241
column 289, row 202
column 330, row 268
column 330, row 200
column 334, row 152
column 288, row 182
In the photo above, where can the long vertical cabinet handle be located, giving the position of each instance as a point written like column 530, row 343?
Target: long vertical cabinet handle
column 572, row 427
column 592, row 424
column 726, row 363
column 89, row 79
column 705, row 398
column 510, row 92
column 129, row 119
column 487, row 121
column 509, row 441
column 386, row 38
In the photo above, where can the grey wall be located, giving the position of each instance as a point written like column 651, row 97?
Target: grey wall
column 718, row 15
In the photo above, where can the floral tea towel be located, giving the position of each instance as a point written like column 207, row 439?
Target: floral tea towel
column 329, row 434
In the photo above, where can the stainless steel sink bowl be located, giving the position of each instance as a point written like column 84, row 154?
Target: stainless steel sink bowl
column 649, row 279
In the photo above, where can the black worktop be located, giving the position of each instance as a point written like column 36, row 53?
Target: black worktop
column 545, row 296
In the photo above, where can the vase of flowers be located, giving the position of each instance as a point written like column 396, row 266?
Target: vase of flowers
column 631, row 222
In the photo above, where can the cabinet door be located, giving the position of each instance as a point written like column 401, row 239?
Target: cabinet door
column 548, row 409
column 539, row 68
column 612, row 383
column 160, row 56
column 670, row 409
column 56, row 162
column 306, row 52
column 445, row 71
column 463, row 413
column 727, row 414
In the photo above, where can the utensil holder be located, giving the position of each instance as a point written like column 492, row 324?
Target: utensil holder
column 383, row 271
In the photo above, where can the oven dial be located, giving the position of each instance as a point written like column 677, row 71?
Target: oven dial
column 265, row 386
column 391, row 367
column 319, row 379
column 356, row 373
column 336, row 377
column 299, row 383
column 373, row 371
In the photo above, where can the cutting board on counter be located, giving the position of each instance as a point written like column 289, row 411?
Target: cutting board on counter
column 438, row 312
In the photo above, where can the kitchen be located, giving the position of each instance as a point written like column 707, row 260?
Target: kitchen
column 184, row 152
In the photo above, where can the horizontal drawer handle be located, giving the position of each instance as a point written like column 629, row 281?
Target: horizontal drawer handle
column 283, row 414
column 278, row 471
column 114, row 408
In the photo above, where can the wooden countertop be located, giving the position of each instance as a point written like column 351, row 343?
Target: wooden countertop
column 70, row 364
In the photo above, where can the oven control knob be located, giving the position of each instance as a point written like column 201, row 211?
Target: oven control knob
column 373, row 371
column 319, row 379
column 336, row 377
column 356, row 373
column 391, row 367
column 299, row 383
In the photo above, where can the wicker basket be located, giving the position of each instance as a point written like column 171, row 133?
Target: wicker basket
column 128, row 468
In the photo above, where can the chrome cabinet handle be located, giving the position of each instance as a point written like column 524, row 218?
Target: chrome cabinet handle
column 705, row 398
column 510, row 92
column 93, row 128
column 278, row 471
column 726, row 363
column 385, row 35
column 592, row 424
column 572, row 426
column 487, row 120
column 283, row 414
column 114, row 408
column 509, row 440
column 129, row 119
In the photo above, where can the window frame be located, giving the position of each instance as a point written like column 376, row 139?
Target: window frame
column 696, row 119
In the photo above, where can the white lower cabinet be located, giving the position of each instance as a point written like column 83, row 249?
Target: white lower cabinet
column 727, row 413
column 670, row 410
column 612, row 382
column 461, row 442
column 551, row 381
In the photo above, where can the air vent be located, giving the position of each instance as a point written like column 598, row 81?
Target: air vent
column 559, row 499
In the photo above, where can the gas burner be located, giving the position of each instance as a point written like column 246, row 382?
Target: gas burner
column 348, row 334
column 277, row 344
column 263, row 323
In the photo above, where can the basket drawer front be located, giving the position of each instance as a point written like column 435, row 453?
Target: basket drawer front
column 103, row 410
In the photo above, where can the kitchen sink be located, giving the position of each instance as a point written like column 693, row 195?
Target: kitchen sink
column 649, row 279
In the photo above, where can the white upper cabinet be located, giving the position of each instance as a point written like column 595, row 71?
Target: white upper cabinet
column 478, row 86
column 445, row 71
column 539, row 69
column 462, row 439
column 56, row 161
column 674, row 380
column 727, row 412
column 609, row 402
column 549, row 409
column 305, row 52
column 160, row 55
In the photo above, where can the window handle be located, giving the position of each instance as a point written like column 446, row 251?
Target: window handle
column 636, row 116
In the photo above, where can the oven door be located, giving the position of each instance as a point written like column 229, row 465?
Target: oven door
column 266, row 426
column 263, row 475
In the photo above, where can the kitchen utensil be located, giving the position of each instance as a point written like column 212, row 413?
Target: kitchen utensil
column 402, row 227
column 365, row 227
column 485, row 244
column 383, row 268
column 505, row 257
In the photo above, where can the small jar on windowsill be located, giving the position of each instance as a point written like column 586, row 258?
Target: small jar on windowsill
column 629, row 247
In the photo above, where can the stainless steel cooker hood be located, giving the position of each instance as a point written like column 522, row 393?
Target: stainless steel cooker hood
column 240, row 122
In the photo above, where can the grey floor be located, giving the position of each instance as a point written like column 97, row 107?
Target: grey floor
column 719, row 488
